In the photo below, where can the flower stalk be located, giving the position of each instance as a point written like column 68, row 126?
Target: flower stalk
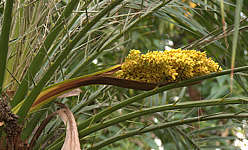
column 141, row 72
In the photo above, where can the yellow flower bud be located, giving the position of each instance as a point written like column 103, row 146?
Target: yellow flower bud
column 166, row 66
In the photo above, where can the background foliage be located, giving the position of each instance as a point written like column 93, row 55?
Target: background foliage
column 52, row 41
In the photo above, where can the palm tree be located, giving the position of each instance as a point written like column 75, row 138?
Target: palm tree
column 47, row 45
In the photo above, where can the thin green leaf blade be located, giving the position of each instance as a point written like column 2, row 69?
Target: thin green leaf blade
column 4, row 39
column 235, row 36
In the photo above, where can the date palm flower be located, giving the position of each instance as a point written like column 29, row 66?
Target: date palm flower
column 138, row 71
column 166, row 66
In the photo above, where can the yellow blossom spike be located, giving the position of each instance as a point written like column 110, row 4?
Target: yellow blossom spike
column 166, row 66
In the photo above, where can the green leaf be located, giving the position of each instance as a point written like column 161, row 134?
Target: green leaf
column 4, row 39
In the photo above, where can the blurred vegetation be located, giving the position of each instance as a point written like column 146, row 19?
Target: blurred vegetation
column 52, row 41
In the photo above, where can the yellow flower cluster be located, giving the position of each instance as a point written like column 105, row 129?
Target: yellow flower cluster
column 166, row 66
